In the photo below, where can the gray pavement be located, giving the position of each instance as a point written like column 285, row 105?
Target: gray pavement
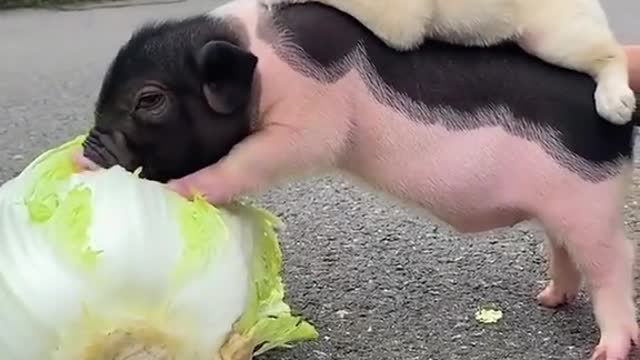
column 378, row 282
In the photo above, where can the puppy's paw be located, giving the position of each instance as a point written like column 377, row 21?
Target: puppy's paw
column 615, row 101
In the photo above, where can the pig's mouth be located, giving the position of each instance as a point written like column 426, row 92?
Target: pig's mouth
column 107, row 150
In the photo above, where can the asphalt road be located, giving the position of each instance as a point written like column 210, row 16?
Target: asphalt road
column 379, row 283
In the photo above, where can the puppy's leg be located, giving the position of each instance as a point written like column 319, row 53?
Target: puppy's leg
column 565, row 277
column 588, row 221
column 401, row 24
column 575, row 35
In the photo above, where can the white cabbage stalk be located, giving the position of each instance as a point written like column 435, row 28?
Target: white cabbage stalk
column 105, row 265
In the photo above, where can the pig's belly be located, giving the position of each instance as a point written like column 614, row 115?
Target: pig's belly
column 460, row 178
column 474, row 180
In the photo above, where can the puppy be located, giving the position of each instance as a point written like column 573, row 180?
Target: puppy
column 479, row 137
column 569, row 33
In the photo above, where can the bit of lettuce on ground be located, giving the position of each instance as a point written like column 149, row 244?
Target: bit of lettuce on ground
column 488, row 314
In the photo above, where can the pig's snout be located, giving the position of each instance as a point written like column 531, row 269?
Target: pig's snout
column 96, row 150
column 104, row 150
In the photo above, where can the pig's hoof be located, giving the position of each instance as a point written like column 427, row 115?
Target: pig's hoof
column 553, row 296
column 603, row 352
column 616, row 347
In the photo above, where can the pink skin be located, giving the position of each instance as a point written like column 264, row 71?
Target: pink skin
column 469, row 189
column 633, row 58
column 82, row 163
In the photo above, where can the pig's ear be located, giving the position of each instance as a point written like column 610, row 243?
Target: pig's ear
column 228, row 74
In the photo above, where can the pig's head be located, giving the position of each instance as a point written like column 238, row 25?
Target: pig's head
column 177, row 97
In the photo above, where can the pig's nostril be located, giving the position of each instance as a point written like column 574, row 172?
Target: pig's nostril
column 97, row 151
column 90, row 143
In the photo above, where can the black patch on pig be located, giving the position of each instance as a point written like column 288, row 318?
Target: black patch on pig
column 530, row 98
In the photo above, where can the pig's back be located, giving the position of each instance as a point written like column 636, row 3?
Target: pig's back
column 529, row 98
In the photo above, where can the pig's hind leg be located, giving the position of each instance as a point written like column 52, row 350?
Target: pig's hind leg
column 586, row 222
column 565, row 277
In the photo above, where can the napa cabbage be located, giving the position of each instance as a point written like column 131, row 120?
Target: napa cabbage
column 106, row 265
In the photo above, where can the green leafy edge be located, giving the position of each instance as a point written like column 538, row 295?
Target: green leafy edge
column 268, row 321
column 66, row 214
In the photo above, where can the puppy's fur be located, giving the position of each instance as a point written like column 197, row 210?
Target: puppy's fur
column 480, row 137
column 570, row 33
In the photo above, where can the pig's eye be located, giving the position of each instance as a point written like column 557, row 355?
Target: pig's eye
column 150, row 98
column 150, row 101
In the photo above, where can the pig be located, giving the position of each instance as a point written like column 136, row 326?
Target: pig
column 570, row 33
column 244, row 98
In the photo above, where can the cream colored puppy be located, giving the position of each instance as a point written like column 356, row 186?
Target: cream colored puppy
column 570, row 33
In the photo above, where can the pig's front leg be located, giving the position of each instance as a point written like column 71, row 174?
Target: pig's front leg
column 260, row 162
column 250, row 166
